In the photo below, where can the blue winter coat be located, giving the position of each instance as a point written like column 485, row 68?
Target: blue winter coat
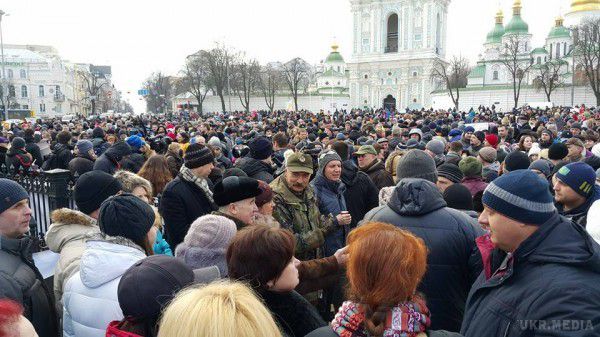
column 453, row 262
column 161, row 246
column 330, row 198
column 550, row 287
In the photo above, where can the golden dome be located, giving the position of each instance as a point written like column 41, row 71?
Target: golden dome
column 517, row 7
column 559, row 21
column 334, row 47
column 499, row 17
column 585, row 5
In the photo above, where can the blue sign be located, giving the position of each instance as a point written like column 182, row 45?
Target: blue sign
column 143, row 92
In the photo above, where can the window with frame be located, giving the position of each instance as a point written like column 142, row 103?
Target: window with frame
column 24, row 91
column 9, row 73
column 41, row 91
column 495, row 75
column 23, row 73
column 11, row 91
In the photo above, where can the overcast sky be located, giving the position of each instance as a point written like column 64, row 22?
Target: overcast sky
column 138, row 37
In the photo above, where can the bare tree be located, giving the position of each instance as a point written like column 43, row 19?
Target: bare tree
column 587, row 52
column 453, row 75
column 517, row 62
column 7, row 96
column 196, row 77
column 270, row 79
column 93, row 84
column 296, row 73
column 548, row 76
column 218, row 61
column 245, row 80
column 160, row 92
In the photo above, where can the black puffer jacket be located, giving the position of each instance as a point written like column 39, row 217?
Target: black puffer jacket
column 34, row 149
column 81, row 164
column 22, row 282
column 380, row 177
column 109, row 161
column 292, row 312
column 63, row 155
column 549, row 287
column 361, row 193
column 256, row 169
column 453, row 262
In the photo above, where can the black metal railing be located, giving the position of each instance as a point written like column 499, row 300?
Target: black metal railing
column 48, row 191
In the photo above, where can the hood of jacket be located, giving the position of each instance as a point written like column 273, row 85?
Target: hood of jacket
column 107, row 259
column 349, row 173
column 60, row 147
column 68, row 225
column 253, row 166
column 118, row 151
column 413, row 196
column 563, row 242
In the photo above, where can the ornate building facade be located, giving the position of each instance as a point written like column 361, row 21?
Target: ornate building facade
column 395, row 44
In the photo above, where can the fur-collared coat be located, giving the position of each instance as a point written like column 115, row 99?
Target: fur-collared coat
column 66, row 236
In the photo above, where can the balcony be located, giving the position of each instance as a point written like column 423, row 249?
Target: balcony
column 59, row 97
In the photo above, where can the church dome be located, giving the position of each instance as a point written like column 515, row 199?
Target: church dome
column 559, row 31
column 585, row 5
column 495, row 36
column 334, row 56
column 516, row 24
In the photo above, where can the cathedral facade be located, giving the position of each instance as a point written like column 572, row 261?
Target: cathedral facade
column 395, row 44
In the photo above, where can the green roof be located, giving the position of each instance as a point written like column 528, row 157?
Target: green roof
column 559, row 32
column 334, row 56
column 516, row 26
column 539, row 51
column 332, row 73
column 495, row 36
column 477, row 72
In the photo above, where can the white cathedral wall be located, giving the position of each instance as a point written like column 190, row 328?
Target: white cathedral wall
column 503, row 98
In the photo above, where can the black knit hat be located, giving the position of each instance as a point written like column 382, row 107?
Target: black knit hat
column 10, row 194
column 516, row 160
column 450, row 172
column 126, row 215
column 232, row 189
column 458, row 196
column 92, row 188
column 18, row 143
column 557, row 151
column 261, row 148
column 150, row 284
column 197, row 155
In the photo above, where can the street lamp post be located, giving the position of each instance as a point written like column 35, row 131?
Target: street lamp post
column 2, row 13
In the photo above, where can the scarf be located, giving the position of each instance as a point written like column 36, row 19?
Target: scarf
column 187, row 175
column 407, row 319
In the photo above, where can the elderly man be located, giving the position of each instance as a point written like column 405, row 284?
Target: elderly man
column 296, row 206
column 188, row 196
column 235, row 198
column 540, row 270
column 576, row 150
column 20, row 279
column 375, row 168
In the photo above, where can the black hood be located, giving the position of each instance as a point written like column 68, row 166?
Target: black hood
column 118, row 151
column 349, row 173
column 413, row 196
column 253, row 166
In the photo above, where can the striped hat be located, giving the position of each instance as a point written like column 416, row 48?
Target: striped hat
column 520, row 195
column 579, row 176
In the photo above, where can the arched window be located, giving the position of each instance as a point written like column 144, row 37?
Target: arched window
column 41, row 91
column 11, row 91
column 558, row 50
column 392, row 34
column 539, row 60
column 551, row 45
column 24, row 91
column 564, row 49
column 495, row 75
column 10, row 73
column 23, row 73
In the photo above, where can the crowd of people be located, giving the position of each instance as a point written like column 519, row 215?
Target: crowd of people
column 352, row 223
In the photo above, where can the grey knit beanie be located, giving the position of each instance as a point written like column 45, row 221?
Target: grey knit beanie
column 417, row 164
column 327, row 157
column 205, row 243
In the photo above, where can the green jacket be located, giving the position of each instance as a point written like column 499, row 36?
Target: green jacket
column 301, row 216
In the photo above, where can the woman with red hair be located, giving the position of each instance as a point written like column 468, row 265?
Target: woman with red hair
column 385, row 266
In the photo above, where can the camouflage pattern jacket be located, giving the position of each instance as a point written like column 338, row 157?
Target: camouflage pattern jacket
column 301, row 215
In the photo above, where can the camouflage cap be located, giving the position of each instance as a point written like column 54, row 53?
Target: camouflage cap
column 300, row 162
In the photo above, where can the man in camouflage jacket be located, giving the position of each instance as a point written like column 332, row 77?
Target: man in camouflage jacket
column 296, row 207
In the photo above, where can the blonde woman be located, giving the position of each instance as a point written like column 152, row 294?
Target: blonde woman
column 224, row 309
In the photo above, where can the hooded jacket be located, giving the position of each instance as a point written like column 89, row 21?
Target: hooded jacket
column 454, row 261
column 331, row 200
column 380, row 177
column 549, row 287
column 66, row 236
column 109, row 162
column 18, row 159
column 256, row 169
column 21, row 281
column 90, row 299
column 63, row 157
column 361, row 193
column 579, row 214
column 81, row 164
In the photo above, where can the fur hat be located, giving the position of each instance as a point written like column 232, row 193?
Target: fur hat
column 130, row 181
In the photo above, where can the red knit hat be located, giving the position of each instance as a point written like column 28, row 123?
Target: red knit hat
column 492, row 139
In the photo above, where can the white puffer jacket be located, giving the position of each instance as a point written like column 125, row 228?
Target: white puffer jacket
column 90, row 299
